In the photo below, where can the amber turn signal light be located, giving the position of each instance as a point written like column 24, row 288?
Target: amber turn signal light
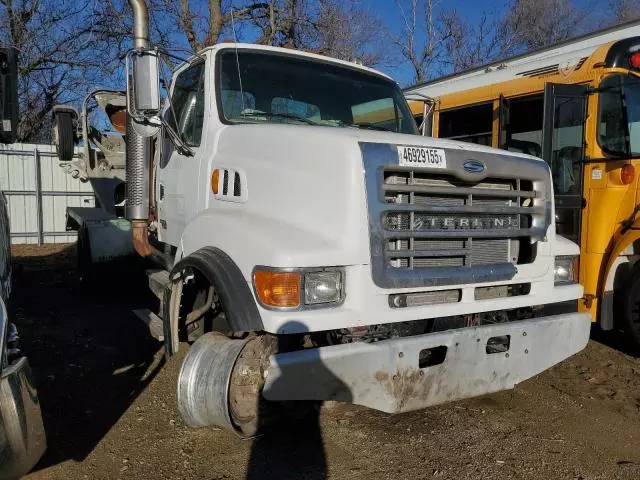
column 215, row 181
column 627, row 174
column 277, row 289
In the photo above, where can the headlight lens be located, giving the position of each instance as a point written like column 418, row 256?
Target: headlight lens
column 322, row 287
column 566, row 270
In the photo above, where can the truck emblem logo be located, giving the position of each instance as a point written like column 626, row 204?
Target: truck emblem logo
column 473, row 166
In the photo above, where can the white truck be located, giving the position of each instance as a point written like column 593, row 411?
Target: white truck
column 311, row 246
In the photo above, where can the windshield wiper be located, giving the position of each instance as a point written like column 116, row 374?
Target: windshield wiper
column 288, row 116
column 370, row 126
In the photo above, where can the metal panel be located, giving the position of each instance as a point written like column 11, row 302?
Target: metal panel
column 38, row 192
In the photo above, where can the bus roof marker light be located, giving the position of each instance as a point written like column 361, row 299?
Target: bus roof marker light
column 634, row 60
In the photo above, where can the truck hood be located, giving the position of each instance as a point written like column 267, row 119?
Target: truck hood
column 371, row 136
column 305, row 189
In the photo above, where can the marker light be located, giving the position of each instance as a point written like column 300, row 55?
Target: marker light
column 627, row 174
column 634, row 60
column 277, row 289
column 215, row 181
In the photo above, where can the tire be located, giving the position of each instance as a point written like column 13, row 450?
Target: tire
column 631, row 310
column 63, row 135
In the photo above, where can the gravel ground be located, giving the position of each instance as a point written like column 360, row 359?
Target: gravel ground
column 108, row 402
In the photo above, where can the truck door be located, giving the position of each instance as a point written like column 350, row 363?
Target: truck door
column 565, row 108
column 178, row 183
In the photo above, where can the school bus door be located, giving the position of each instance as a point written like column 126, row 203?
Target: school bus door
column 563, row 147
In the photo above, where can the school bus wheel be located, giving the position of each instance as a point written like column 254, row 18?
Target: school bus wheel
column 630, row 311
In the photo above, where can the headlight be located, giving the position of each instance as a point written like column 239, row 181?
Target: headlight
column 566, row 270
column 322, row 287
column 298, row 288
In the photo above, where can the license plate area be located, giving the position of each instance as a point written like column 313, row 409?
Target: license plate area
column 422, row 157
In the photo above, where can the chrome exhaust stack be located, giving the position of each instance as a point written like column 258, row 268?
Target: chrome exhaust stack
column 138, row 152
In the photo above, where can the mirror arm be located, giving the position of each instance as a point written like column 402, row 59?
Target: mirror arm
column 178, row 143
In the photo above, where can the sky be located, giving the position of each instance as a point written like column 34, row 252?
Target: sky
column 471, row 10
column 388, row 11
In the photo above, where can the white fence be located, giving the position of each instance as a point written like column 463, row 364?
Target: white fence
column 38, row 193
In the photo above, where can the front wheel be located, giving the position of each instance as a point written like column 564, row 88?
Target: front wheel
column 221, row 382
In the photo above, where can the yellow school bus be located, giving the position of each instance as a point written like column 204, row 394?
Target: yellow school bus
column 577, row 106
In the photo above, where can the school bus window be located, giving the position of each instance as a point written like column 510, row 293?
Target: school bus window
column 471, row 124
column 568, row 145
column 524, row 129
column 615, row 123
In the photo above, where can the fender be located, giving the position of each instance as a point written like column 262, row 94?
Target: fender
column 222, row 272
column 631, row 235
column 603, row 304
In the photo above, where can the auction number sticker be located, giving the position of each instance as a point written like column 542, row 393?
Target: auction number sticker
column 422, row 157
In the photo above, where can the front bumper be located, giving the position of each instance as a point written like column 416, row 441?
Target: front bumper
column 386, row 375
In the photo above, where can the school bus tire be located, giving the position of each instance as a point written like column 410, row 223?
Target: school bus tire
column 630, row 311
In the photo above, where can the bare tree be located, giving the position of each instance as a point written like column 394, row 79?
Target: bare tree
column 348, row 31
column 469, row 45
column 423, row 55
column 531, row 24
column 61, row 49
column 625, row 10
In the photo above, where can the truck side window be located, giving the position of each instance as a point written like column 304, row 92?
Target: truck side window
column 188, row 103
column 469, row 124
column 524, row 125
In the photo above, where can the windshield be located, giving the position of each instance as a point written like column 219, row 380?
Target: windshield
column 619, row 117
column 279, row 88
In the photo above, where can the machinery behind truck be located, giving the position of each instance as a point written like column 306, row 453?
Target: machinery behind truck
column 308, row 245
column 22, row 437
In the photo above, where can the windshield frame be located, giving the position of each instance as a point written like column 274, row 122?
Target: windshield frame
column 402, row 106
column 621, row 74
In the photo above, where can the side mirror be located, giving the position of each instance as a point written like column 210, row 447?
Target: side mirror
column 143, row 90
column 8, row 95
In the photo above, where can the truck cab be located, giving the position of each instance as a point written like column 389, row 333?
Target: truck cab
column 400, row 271
column 310, row 245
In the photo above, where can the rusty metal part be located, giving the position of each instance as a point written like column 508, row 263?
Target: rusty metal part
column 249, row 412
column 141, row 243
column 200, row 311
column 118, row 119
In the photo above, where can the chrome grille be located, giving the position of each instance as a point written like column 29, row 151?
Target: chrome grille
column 446, row 226
column 421, row 204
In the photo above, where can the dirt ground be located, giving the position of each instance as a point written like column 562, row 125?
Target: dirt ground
column 108, row 401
